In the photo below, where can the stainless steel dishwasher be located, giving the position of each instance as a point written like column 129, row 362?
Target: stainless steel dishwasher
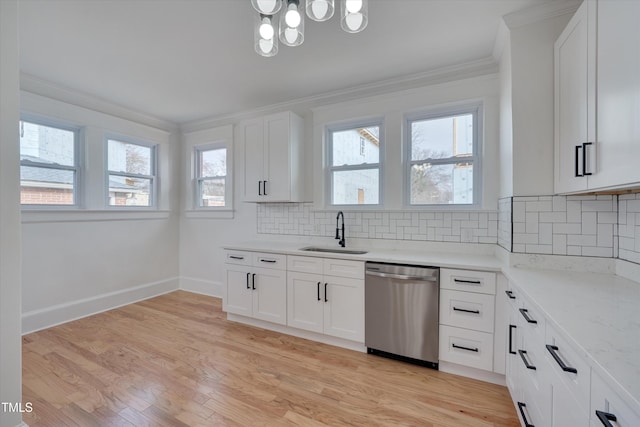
column 401, row 312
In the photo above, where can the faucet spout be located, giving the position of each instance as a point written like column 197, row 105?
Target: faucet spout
column 340, row 229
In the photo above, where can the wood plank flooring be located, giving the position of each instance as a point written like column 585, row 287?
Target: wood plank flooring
column 175, row 360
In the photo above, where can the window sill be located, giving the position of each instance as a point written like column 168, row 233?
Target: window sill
column 30, row 216
column 209, row 214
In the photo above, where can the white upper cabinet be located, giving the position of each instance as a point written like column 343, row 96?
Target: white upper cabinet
column 597, row 98
column 273, row 158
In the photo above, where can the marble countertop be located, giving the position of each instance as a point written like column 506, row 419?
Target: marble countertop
column 599, row 313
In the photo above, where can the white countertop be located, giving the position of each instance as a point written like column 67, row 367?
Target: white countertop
column 599, row 313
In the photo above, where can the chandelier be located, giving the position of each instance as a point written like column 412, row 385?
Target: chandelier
column 283, row 20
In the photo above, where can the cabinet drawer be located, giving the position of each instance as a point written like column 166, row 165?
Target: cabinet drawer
column 558, row 351
column 465, row 347
column 342, row 268
column 305, row 264
column 466, row 280
column 467, row 310
column 267, row 260
column 604, row 399
column 238, row 257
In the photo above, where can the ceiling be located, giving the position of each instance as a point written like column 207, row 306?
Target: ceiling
column 186, row 60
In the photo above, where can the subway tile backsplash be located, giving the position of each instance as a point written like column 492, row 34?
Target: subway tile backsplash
column 300, row 219
column 505, row 230
column 629, row 227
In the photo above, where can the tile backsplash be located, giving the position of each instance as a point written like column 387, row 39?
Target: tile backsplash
column 629, row 227
column 505, row 229
column 441, row 226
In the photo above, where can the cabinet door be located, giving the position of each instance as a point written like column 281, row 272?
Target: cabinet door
column 277, row 157
column 252, row 132
column 572, row 102
column 239, row 291
column 344, row 308
column 618, row 94
column 305, row 301
column 270, row 295
column 565, row 410
column 513, row 382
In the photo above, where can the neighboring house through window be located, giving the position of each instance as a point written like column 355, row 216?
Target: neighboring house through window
column 443, row 166
column 131, row 174
column 354, row 154
column 211, row 176
column 48, row 164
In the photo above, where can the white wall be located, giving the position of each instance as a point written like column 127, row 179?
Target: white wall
column 10, row 294
column 79, row 262
column 506, row 116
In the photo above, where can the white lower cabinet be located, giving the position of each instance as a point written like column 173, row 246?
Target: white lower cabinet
column 608, row 406
column 320, row 302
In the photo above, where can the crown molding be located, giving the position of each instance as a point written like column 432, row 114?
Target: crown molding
column 441, row 75
column 38, row 86
column 540, row 12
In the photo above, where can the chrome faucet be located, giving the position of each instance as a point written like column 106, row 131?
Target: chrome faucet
column 338, row 234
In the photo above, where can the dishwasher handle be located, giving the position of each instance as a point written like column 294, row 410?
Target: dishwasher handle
column 402, row 276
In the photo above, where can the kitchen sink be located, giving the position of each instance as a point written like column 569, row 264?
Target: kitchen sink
column 333, row 250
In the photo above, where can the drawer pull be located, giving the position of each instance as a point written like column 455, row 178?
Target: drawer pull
column 553, row 349
column 525, row 314
column 318, row 291
column 236, row 257
column 521, row 407
column 511, row 328
column 605, row 417
column 270, row 261
column 510, row 294
column 475, row 350
column 468, row 282
column 525, row 361
column 253, row 281
column 248, row 274
column 466, row 311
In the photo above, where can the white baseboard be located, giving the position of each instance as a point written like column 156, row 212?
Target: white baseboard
column 62, row 313
column 200, row 286
column 478, row 374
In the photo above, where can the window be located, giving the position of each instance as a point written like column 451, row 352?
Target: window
column 354, row 164
column 48, row 164
column 443, row 167
column 131, row 173
column 211, row 176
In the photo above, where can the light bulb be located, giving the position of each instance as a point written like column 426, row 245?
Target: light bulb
column 267, row 7
column 266, row 29
column 291, row 35
column 354, row 6
column 292, row 17
column 266, row 45
column 353, row 21
column 320, row 8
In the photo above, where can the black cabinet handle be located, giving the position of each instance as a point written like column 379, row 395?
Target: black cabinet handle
column 264, row 188
column 270, row 261
column 605, row 417
column 475, row 350
column 253, row 281
column 510, row 294
column 236, row 257
column 525, row 314
column 248, row 274
column 553, row 349
column 577, row 160
column 525, row 361
column 511, row 328
column 318, row 291
column 468, row 282
column 466, row 311
column 584, row 159
column 325, row 293
column 259, row 188
column 521, row 407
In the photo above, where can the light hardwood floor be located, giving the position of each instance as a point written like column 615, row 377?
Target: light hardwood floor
column 175, row 360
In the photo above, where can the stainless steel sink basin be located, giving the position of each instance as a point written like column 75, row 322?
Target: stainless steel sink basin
column 333, row 250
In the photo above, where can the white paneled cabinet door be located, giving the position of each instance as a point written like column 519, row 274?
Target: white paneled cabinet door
column 270, row 295
column 344, row 308
column 252, row 132
column 239, row 292
column 618, row 88
column 574, row 103
column 305, row 303
column 276, row 156
column 565, row 410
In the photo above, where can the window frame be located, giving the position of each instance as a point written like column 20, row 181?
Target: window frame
column 78, row 137
column 198, row 178
column 476, row 110
column 153, row 187
column 330, row 169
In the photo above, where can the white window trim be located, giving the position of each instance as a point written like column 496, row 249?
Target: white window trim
column 197, row 179
column 329, row 169
column 476, row 109
column 153, row 188
column 78, row 151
